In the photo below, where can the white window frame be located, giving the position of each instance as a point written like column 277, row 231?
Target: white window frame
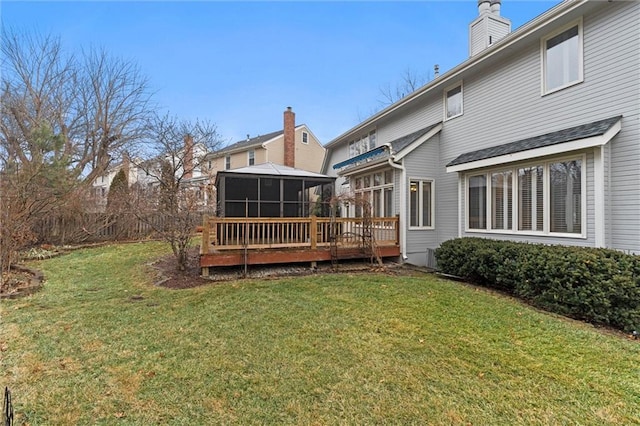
column 251, row 157
column 421, row 182
column 546, row 232
column 227, row 162
column 446, row 100
column 543, row 58
column 382, row 188
column 305, row 137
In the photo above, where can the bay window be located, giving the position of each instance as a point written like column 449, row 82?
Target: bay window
column 543, row 198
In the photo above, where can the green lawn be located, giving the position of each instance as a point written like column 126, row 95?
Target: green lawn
column 101, row 345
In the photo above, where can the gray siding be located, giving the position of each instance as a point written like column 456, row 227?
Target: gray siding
column 506, row 105
column 422, row 163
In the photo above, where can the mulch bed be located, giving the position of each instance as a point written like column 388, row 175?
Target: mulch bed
column 20, row 281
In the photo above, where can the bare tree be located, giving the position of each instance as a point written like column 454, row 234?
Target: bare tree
column 62, row 119
column 410, row 81
column 174, row 172
column 95, row 105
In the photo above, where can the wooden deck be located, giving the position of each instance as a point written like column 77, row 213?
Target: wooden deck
column 259, row 241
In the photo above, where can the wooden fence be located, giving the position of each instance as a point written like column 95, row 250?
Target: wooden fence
column 99, row 227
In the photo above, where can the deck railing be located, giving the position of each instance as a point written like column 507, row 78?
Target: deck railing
column 313, row 232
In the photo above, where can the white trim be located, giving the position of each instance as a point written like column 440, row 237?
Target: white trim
column 422, row 139
column 598, row 196
column 543, row 58
column 545, row 151
column 461, row 204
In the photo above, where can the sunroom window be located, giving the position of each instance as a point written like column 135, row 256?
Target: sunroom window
column 376, row 190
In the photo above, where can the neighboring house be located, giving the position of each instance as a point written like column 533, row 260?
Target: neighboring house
column 535, row 137
column 188, row 167
column 294, row 146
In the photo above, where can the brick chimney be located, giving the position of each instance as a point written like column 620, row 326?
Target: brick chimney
column 289, row 138
column 187, row 162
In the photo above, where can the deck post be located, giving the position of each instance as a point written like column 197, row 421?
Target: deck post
column 204, row 248
column 313, row 232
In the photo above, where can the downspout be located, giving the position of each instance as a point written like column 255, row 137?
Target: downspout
column 403, row 201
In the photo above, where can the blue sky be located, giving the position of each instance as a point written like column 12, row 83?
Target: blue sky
column 240, row 64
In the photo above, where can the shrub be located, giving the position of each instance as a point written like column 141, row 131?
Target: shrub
column 601, row 286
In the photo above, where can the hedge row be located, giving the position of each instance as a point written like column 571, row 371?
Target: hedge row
column 600, row 286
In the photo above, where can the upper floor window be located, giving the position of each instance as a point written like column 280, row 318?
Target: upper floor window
column 305, row 137
column 227, row 162
column 252, row 157
column 453, row 101
column 562, row 58
column 363, row 144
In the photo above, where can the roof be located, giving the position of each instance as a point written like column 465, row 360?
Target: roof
column 248, row 143
column 251, row 142
column 403, row 142
column 271, row 169
column 504, row 46
column 596, row 128
column 396, row 145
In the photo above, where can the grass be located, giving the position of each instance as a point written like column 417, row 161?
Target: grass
column 101, row 345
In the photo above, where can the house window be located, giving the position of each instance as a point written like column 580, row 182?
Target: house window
column 530, row 199
column 371, row 190
column 420, row 203
column 453, row 102
column 565, row 196
column 227, row 162
column 478, row 202
column 363, row 144
column 562, row 58
column 501, row 200
column 544, row 198
column 305, row 137
column 252, row 157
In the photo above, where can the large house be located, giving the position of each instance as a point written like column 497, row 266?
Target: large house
column 293, row 146
column 535, row 137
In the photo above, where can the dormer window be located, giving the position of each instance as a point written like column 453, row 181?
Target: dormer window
column 453, row 101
